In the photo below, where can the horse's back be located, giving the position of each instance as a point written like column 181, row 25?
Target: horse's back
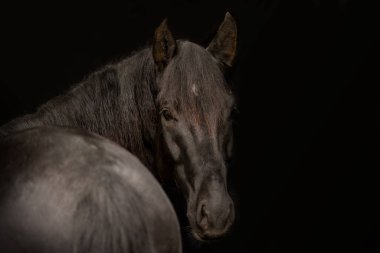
column 69, row 191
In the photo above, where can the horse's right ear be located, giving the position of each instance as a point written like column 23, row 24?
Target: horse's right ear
column 223, row 46
column 164, row 46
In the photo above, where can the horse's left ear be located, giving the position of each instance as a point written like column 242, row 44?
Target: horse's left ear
column 223, row 46
column 164, row 46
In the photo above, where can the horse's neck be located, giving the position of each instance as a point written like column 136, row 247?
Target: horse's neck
column 116, row 102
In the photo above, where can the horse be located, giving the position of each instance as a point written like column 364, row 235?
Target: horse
column 67, row 190
column 170, row 105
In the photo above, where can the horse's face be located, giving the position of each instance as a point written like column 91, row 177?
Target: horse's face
column 195, row 105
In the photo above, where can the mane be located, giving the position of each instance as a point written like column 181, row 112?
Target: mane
column 115, row 102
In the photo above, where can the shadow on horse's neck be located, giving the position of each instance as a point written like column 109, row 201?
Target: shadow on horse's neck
column 117, row 102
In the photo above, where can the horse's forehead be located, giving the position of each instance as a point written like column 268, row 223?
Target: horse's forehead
column 206, row 112
column 194, row 84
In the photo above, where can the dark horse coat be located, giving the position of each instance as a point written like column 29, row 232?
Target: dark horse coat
column 64, row 190
column 171, row 107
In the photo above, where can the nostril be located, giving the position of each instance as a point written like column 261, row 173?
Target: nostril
column 203, row 217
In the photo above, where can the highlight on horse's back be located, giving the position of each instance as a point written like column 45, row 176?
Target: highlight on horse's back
column 65, row 190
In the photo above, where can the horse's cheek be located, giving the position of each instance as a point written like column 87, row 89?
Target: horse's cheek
column 172, row 146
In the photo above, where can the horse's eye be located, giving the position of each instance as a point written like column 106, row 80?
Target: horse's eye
column 167, row 114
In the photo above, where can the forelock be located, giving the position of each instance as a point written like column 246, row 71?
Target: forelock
column 194, row 84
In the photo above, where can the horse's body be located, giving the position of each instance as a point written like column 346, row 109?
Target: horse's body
column 170, row 106
column 65, row 190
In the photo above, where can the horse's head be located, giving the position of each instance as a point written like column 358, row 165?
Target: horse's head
column 195, row 104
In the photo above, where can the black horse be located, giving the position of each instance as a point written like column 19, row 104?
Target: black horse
column 170, row 106
column 65, row 190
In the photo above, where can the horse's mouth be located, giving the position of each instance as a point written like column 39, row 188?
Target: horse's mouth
column 200, row 237
column 207, row 237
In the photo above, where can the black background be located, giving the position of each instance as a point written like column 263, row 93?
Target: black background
column 303, row 177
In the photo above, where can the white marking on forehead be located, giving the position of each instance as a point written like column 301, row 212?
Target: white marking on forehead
column 194, row 89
